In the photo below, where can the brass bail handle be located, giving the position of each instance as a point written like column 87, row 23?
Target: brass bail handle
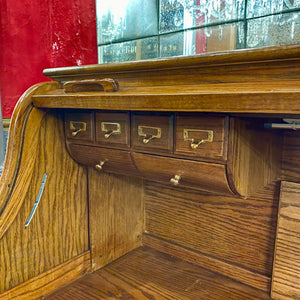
column 195, row 143
column 77, row 127
column 110, row 129
column 148, row 137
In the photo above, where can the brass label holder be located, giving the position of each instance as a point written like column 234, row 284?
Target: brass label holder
column 148, row 137
column 195, row 143
column 109, row 132
column 77, row 127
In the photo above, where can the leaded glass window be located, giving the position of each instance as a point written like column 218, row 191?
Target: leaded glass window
column 143, row 29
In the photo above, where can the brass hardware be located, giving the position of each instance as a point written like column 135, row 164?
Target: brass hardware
column 175, row 180
column 110, row 132
column 149, row 137
column 194, row 142
column 77, row 127
column 99, row 166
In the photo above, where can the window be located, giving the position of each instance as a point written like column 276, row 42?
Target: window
column 144, row 29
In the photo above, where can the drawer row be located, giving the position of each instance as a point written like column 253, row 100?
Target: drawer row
column 210, row 177
column 195, row 135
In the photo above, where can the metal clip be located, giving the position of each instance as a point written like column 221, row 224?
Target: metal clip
column 77, row 127
column 148, row 137
column 110, row 132
column 196, row 142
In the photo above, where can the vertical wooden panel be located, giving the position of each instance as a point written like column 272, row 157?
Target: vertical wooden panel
column 59, row 229
column 286, row 271
column 116, row 216
column 234, row 230
column 291, row 156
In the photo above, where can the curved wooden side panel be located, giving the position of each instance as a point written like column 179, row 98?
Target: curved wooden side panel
column 58, row 232
column 17, row 161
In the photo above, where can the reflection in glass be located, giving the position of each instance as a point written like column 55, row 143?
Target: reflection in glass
column 196, row 41
column 258, row 8
column 128, row 51
column 140, row 29
column 183, row 14
column 125, row 19
column 274, row 30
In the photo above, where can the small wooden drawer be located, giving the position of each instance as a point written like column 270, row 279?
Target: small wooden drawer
column 179, row 172
column 152, row 132
column 106, row 160
column 79, row 126
column 202, row 136
column 113, row 129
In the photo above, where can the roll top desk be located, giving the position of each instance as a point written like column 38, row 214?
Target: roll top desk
column 174, row 161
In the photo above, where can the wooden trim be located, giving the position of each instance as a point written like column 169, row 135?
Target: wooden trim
column 286, row 271
column 256, row 102
column 48, row 282
column 213, row 59
column 20, row 156
column 235, row 272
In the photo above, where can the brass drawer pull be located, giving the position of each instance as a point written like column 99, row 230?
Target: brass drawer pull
column 175, row 180
column 196, row 142
column 77, row 127
column 147, row 136
column 112, row 131
column 99, row 166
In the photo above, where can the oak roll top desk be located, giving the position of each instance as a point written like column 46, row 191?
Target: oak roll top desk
column 175, row 178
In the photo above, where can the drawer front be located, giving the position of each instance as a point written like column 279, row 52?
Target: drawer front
column 112, row 129
column 79, row 126
column 201, row 136
column 200, row 175
column 152, row 132
column 106, row 160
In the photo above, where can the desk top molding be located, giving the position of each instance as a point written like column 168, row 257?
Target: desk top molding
column 258, row 81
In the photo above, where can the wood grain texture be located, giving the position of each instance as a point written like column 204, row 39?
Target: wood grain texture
column 112, row 160
column 194, row 174
column 291, row 156
column 216, row 150
column 59, row 229
column 148, row 274
column 82, row 136
column 109, row 120
column 241, row 81
column 247, row 100
column 254, row 156
column 162, row 122
column 251, row 56
column 236, row 231
column 286, row 270
column 18, row 164
column 208, row 262
column 51, row 280
column 116, row 218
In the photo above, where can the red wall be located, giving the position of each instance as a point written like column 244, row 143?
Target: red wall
column 39, row 34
